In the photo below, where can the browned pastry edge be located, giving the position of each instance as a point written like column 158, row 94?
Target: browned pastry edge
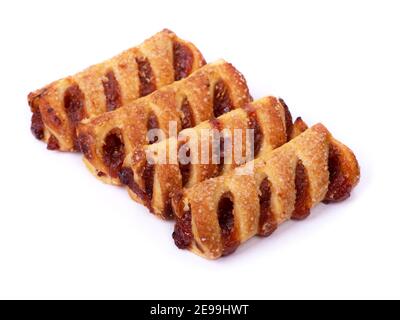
column 159, row 171
column 214, row 217
column 107, row 139
column 59, row 107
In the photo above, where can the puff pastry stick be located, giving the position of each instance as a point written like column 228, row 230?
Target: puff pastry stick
column 210, row 91
column 60, row 106
column 214, row 217
column 158, row 171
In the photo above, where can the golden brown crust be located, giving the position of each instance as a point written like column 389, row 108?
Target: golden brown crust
column 299, row 177
column 158, row 61
column 162, row 107
column 171, row 173
column 299, row 126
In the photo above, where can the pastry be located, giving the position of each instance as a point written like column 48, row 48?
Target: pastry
column 215, row 216
column 60, row 106
column 209, row 92
column 158, row 171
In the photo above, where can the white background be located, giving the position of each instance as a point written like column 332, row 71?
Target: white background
column 65, row 235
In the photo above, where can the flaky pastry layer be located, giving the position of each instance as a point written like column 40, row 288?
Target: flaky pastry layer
column 214, row 217
column 60, row 106
column 211, row 91
column 158, row 171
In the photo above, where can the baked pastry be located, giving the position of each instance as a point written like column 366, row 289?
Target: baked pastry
column 214, row 217
column 60, row 106
column 158, row 171
column 209, row 92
